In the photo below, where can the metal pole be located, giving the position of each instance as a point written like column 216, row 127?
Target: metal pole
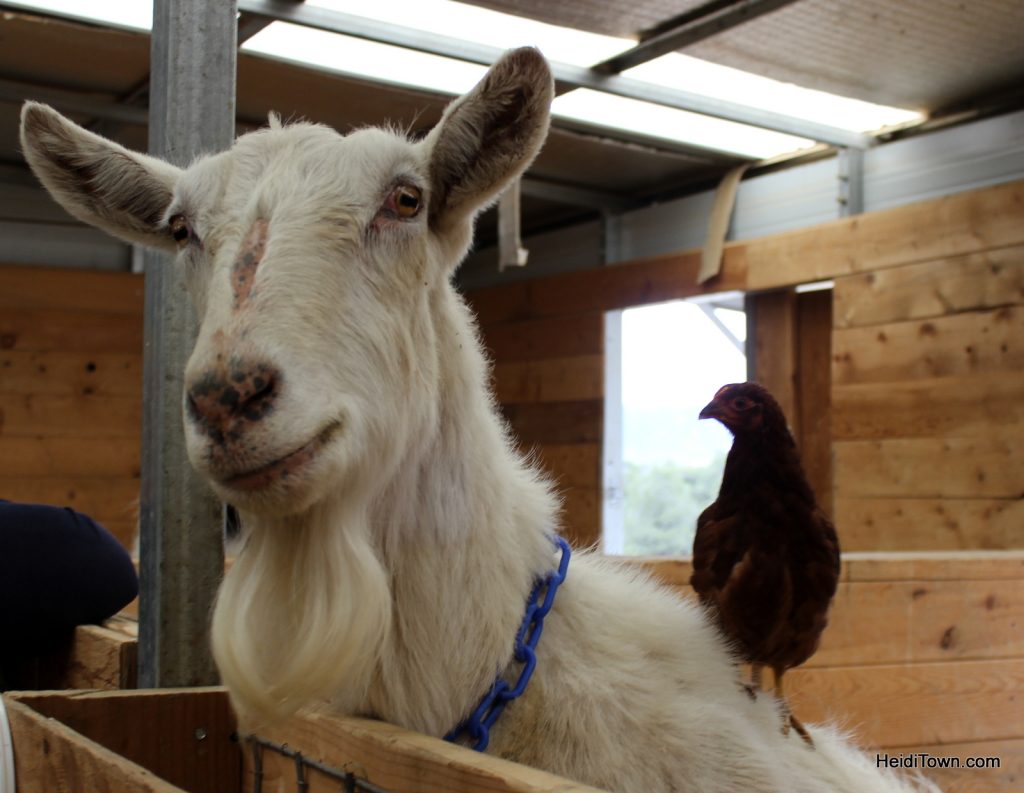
column 192, row 111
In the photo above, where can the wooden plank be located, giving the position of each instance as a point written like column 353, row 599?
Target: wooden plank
column 873, row 566
column 98, row 497
column 775, row 353
column 70, row 417
column 640, row 282
column 912, row 621
column 548, row 423
column 983, row 467
column 29, row 287
column 396, row 760
column 50, row 757
column 183, row 736
column 81, row 331
column 934, row 566
column 68, row 457
column 101, row 658
column 561, row 337
column 581, row 516
column 959, row 406
column 989, row 279
column 909, row 705
column 814, row 387
column 70, row 373
column 572, row 464
column 954, row 225
column 550, row 380
column 908, row 524
column 973, row 343
column 1006, row 778
column 892, row 622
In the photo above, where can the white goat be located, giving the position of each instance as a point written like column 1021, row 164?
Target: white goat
column 338, row 396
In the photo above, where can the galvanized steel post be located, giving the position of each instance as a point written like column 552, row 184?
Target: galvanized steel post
column 192, row 111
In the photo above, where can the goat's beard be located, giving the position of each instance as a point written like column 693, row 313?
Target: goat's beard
column 302, row 616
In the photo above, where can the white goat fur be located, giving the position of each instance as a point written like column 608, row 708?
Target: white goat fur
column 389, row 576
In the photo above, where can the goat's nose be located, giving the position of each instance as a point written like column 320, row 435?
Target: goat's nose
column 222, row 400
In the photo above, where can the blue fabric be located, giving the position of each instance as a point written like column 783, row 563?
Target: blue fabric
column 58, row 569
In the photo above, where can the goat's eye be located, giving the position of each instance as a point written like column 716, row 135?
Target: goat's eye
column 180, row 230
column 407, row 200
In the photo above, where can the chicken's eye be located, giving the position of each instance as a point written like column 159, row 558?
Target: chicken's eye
column 741, row 403
column 407, row 200
column 180, row 230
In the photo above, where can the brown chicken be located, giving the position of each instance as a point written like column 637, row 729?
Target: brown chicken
column 765, row 557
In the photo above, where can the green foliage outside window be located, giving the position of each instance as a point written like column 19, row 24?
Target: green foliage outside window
column 662, row 502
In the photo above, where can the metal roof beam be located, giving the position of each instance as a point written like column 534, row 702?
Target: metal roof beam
column 696, row 25
column 574, row 76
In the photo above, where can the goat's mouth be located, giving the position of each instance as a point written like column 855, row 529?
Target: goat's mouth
column 283, row 467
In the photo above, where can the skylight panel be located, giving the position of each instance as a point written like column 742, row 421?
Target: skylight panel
column 358, row 57
column 681, row 126
column 483, row 26
column 722, row 82
column 134, row 14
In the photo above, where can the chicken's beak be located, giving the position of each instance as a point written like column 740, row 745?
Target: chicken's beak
column 712, row 410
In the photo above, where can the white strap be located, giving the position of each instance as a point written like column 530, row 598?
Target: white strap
column 6, row 752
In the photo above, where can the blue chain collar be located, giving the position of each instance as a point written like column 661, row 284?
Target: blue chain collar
column 478, row 725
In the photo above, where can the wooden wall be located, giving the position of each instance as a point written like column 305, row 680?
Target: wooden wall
column 928, row 392
column 71, row 391
column 549, row 379
column 920, row 655
column 909, row 412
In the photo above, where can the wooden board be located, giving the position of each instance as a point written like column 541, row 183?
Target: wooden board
column 396, row 760
column 571, row 464
column 883, row 704
column 954, row 225
column 983, row 467
column 550, row 380
column 57, row 458
column 959, row 406
column 895, row 524
column 1004, row 779
column 969, row 344
column 985, row 280
column 61, row 288
column 640, row 282
column 81, row 331
column 561, row 337
column 71, row 373
column 96, row 417
column 99, row 497
column 101, row 658
column 544, row 424
column 182, row 736
column 776, row 352
column 913, row 620
column 50, row 757
column 873, row 566
column 581, row 515
column 814, row 386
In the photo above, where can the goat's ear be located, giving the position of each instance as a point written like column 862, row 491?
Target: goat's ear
column 489, row 136
column 97, row 180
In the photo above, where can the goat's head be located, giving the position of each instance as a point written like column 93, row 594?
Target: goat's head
column 312, row 259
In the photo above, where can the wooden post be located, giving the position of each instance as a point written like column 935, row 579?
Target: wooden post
column 192, row 111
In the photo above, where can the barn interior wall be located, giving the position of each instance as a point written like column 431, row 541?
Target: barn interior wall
column 71, row 391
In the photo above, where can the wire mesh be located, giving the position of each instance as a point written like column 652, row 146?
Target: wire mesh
column 350, row 783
